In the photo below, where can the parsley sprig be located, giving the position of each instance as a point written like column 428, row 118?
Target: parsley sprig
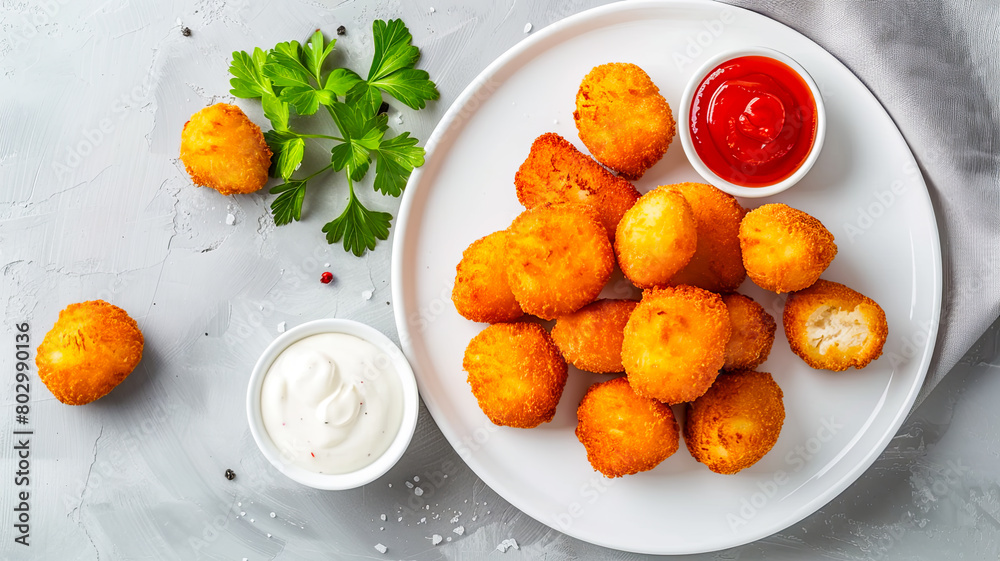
column 291, row 77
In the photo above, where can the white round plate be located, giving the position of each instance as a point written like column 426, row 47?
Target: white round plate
column 865, row 188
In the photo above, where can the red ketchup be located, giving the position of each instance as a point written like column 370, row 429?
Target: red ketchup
column 753, row 121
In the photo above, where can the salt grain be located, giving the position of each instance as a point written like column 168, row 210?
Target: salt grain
column 527, row 28
column 378, row 547
column 281, row 329
column 436, row 539
column 230, row 220
column 382, row 517
column 367, row 295
column 431, row 10
column 273, row 514
column 459, row 530
column 408, row 484
column 508, row 543
column 416, row 478
column 418, row 491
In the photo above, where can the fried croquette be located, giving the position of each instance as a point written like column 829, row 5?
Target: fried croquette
column 656, row 238
column 833, row 327
column 622, row 118
column 516, row 374
column 91, row 348
column 784, row 249
column 556, row 172
column 558, row 258
column 736, row 422
column 481, row 292
column 591, row 337
column 717, row 263
column 221, row 148
column 753, row 333
column 675, row 343
column 624, row 433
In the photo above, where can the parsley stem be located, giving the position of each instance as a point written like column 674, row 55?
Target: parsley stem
column 317, row 172
column 319, row 136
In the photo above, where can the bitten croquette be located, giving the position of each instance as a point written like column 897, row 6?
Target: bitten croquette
column 833, row 327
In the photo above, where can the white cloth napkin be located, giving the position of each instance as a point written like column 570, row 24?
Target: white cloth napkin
column 933, row 65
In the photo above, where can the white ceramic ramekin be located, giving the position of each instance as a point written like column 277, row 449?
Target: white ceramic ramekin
column 684, row 124
column 379, row 466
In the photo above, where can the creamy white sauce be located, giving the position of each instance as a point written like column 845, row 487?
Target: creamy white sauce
column 331, row 403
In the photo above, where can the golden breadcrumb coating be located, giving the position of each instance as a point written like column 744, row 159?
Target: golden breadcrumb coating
column 622, row 118
column 516, row 374
column 717, row 263
column 736, row 422
column 784, row 249
column 558, row 258
column 556, row 172
column 656, row 238
column 91, row 348
column 591, row 337
column 753, row 333
column 481, row 292
column 625, row 433
column 221, row 148
column 833, row 327
column 675, row 343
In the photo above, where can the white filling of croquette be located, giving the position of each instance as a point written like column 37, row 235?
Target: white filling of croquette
column 829, row 325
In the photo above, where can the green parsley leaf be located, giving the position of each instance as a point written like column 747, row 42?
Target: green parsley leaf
column 392, row 68
column 397, row 157
column 341, row 80
column 362, row 134
column 411, row 86
column 276, row 111
column 359, row 227
column 314, row 53
column 248, row 79
column 285, row 69
column 392, row 49
column 289, row 148
column 288, row 206
column 366, row 98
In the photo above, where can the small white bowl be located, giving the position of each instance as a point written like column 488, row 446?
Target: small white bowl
column 684, row 124
column 383, row 463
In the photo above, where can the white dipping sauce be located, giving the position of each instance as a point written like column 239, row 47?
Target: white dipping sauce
column 331, row 403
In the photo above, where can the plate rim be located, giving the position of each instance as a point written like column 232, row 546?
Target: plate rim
column 413, row 191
